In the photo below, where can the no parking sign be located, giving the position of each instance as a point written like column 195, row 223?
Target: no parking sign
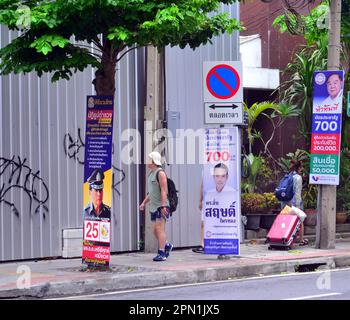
column 223, row 92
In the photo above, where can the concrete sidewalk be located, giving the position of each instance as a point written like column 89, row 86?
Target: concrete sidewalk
column 60, row 277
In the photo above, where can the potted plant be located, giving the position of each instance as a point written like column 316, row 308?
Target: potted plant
column 272, row 208
column 253, row 205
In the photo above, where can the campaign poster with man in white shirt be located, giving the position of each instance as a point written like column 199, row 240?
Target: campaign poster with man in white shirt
column 326, row 127
column 328, row 91
column 221, row 203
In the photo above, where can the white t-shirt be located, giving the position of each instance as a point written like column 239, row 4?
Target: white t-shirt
column 331, row 102
column 218, row 199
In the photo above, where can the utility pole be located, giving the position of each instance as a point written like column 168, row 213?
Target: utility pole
column 327, row 194
column 153, row 114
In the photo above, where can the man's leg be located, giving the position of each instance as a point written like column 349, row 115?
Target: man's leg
column 159, row 231
column 301, row 232
column 303, row 241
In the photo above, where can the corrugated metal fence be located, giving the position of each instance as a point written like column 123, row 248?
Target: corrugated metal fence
column 42, row 130
column 184, row 95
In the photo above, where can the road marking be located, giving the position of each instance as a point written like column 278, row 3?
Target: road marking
column 298, row 274
column 316, row 296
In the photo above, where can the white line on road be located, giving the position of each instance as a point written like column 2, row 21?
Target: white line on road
column 316, row 296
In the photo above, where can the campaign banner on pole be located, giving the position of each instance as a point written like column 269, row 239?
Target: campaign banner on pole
column 98, row 181
column 326, row 127
column 221, row 202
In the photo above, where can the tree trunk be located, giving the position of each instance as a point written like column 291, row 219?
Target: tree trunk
column 104, row 81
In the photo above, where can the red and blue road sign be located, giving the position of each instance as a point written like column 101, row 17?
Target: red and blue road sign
column 223, row 81
column 223, row 92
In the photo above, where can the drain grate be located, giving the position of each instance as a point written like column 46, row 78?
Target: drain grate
column 308, row 267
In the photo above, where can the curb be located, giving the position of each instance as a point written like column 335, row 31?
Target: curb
column 163, row 278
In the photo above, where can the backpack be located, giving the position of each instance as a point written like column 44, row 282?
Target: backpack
column 172, row 193
column 284, row 191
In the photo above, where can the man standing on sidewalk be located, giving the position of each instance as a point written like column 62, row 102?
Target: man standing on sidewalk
column 157, row 197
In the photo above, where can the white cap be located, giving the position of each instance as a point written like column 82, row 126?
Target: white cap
column 156, row 158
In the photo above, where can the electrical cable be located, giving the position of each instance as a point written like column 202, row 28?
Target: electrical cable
column 255, row 24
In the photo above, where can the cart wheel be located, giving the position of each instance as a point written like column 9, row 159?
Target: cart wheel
column 269, row 248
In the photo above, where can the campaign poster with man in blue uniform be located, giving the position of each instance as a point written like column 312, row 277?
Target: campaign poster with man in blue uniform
column 98, row 181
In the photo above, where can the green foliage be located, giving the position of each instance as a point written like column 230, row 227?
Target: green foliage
column 309, row 196
column 252, row 202
column 271, row 201
column 254, row 111
column 343, row 190
column 280, row 112
column 313, row 26
column 58, row 35
column 260, row 166
column 298, row 90
column 299, row 155
column 46, row 43
column 259, row 203
column 249, row 183
column 267, row 179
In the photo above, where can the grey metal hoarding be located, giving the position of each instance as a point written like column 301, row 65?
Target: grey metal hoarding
column 42, row 150
column 42, row 133
column 184, row 104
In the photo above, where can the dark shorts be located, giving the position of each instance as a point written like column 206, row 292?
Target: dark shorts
column 158, row 215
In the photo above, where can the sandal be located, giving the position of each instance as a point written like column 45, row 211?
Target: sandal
column 305, row 242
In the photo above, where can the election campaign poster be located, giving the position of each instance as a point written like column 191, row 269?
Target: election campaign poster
column 326, row 127
column 221, row 201
column 98, row 181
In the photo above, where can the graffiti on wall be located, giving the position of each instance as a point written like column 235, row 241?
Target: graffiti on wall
column 116, row 182
column 15, row 174
column 74, row 149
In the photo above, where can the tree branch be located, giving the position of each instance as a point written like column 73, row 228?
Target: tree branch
column 86, row 46
column 272, row 134
column 89, row 52
column 133, row 48
column 97, row 43
column 95, row 55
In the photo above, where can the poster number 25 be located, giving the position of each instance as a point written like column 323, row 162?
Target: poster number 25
column 91, row 230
